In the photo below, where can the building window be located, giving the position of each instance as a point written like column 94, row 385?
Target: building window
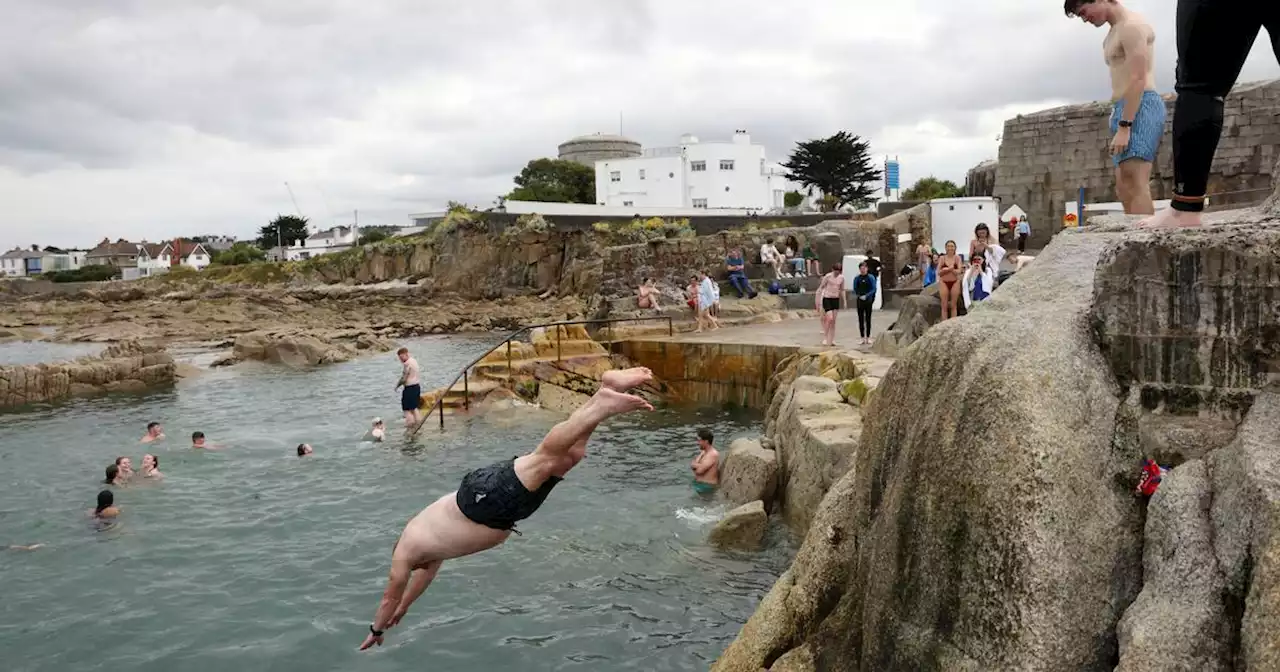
column 627, row 204
column 726, row 164
column 700, row 203
column 642, row 173
column 697, row 166
column 615, row 176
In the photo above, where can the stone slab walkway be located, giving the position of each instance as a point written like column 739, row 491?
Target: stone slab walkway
column 802, row 333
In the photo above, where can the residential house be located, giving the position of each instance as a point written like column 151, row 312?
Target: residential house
column 153, row 258
column 337, row 239
column 188, row 253
column 13, row 263
column 121, row 254
column 20, row 262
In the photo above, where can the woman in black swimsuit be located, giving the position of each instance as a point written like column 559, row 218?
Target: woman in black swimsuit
column 949, row 269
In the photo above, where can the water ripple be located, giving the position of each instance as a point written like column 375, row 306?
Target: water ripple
column 252, row 559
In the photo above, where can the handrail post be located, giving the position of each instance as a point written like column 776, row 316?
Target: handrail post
column 440, row 410
column 466, row 393
column 510, row 377
column 557, row 345
column 671, row 330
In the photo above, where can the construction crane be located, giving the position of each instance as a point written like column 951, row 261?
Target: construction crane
column 279, row 242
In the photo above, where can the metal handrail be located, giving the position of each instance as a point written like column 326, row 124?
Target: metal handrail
column 438, row 406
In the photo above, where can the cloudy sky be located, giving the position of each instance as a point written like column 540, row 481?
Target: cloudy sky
column 154, row 118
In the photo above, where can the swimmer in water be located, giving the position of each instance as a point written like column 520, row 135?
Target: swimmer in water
column 106, row 505
column 378, row 432
column 151, row 466
column 706, row 465
column 304, row 450
column 484, row 510
column 125, row 465
column 197, row 441
column 154, row 433
column 113, row 476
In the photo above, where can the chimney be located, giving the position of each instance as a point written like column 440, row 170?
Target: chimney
column 35, row 248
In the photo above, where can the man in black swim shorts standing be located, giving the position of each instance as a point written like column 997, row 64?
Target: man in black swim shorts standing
column 411, row 395
column 484, row 510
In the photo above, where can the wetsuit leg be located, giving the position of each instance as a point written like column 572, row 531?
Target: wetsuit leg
column 1214, row 39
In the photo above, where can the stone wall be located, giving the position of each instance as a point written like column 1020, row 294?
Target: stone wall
column 704, row 225
column 981, row 179
column 710, row 374
column 671, row 260
column 1045, row 157
column 125, row 366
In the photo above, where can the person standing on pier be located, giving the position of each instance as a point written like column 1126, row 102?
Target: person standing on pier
column 864, row 287
column 829, row 299
column 411, row 395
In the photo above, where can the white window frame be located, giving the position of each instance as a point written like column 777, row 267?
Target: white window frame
column 726, row 164
column 700, row 203
column 642, row 173
column 628, row 204
column 615, row 176
column 697, row 166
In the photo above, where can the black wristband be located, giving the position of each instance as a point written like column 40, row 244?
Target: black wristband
column 1125, row 124
column 376, row 633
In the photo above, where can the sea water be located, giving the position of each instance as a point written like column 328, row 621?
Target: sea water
column 250, row 558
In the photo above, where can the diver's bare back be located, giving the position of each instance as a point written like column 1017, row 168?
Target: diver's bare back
column 441, row 532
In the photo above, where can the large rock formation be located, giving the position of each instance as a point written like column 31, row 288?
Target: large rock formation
column 303, row 348
column 742, row 529
column 987, row 520
column 750, row 473
column 126, row 366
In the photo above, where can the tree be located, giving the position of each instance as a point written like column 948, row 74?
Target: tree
column 291, row 228
column 839, row 166
column 239, row 254
column 929, row 188
column 792, row 199
column 372, row 236
column 555, row 181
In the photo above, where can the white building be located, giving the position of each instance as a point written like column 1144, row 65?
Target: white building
column 156, row 258
column 697, row 175
column 18, row 263
column 955, row 218
column 337, row 239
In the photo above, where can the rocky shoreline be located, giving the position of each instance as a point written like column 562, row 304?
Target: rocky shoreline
column 124, row 367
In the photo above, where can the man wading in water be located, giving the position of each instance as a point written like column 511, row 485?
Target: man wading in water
column 411, row 396
column 484, row 510
column 1137, row 115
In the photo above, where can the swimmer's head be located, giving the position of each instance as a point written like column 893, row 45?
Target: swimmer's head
column 105, row 499
column 125, row 464
column 981, row 232
column 150, row 461
column 197, row 438
column 303, row 449
column 950, row 247
column 403, row 354
column 1096, row 12
column 377, row 422
column 113, row 472
column 154, row 428
column 705, row 438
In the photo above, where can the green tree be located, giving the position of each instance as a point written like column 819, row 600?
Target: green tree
column 291, row 228
column 555, row 181
column 929, row 188
column 239, row 254
column 372, row 237
column 792, row 199
column 839, row 166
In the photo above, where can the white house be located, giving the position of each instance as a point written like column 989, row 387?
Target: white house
column 19, row 263
column 337, row 239
column 155, row 258
column 693, row 174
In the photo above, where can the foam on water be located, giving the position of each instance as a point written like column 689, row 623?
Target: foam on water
column 699, row 517
column 253, row 559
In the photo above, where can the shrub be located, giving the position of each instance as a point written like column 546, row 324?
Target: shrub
column 91, row 273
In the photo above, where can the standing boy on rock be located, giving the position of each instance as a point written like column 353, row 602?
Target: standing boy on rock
column 1137, row 115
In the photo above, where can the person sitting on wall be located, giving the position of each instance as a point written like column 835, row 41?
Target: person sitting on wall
column 769, row 256
column 647, row 295
column 811, row 265
column 737, row 274
column 796, row 262
column 691, row 294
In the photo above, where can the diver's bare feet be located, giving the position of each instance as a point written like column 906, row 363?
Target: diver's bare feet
column 1170, row 218
column 612, row 402
column 622, row 380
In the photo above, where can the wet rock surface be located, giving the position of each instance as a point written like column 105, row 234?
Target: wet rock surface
column 123, row 367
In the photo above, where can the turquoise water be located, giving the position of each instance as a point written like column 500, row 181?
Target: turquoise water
column 253, row 559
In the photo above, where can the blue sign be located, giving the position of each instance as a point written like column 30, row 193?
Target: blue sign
column 890, row 174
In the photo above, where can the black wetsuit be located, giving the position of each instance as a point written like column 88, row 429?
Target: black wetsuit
column 1214, row 39
column 493, row 496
